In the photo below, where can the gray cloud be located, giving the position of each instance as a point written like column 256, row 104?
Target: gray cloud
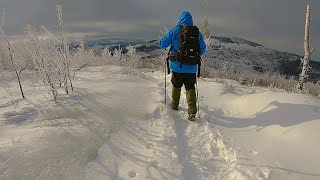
column 273, row 23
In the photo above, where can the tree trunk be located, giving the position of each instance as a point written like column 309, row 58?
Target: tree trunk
column 64, row 44
column 307, row 51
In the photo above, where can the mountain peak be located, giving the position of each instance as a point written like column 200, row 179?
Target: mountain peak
column 235, row 40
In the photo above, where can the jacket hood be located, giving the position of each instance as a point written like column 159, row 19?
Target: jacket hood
column 185, row 19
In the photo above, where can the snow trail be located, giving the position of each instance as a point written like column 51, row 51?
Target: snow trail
column 159, row 143
column 136, row 145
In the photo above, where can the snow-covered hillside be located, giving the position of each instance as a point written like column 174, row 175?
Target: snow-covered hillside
column 115, row 126
column 238, row 55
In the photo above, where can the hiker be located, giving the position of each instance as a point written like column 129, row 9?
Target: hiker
column 187, row 45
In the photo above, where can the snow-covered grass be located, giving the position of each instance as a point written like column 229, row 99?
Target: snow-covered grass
column 115, row 126
column 265, row 80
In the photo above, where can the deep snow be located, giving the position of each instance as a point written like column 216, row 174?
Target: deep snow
column 115, row 126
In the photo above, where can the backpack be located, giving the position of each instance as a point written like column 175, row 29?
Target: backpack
column 189, row 46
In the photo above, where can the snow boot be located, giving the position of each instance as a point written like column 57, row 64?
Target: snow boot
column 174, row 107
column 192, row 117
column 176, row 92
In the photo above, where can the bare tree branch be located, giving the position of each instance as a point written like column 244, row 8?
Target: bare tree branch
column 2, row 20
column 11, row 53
column 23, row 68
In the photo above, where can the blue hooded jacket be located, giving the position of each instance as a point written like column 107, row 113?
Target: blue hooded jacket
column 172, row 37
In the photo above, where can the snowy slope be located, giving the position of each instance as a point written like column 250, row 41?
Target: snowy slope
column 116, row 126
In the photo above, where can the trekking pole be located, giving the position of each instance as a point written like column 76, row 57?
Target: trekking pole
column 166, row 67
column 197, row 98
column 198, row 76
column 165, row 83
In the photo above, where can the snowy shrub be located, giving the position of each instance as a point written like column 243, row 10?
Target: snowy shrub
column 133, row 58
column 46, row 60
column 244, row 81
column 266, row 80
column 106, row 56
column 313, row 89
column 81, row 59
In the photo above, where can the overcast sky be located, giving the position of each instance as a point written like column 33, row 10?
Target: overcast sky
column 276, row 24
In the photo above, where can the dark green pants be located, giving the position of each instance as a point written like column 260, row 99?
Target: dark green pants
column 188, row 80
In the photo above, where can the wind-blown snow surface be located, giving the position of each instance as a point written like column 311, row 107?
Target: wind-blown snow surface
column 116, row 126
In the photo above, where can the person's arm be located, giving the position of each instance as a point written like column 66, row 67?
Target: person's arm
column 166, row 40
column 203, row 46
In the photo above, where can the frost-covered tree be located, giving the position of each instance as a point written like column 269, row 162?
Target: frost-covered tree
column 205, row 27
column 117, row 54
column 64, row 51
column 207, row 37
column 4, row 55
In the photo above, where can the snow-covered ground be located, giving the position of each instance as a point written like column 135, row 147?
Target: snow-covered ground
column 115, row 126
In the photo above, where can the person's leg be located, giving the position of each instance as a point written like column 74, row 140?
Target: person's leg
column 189, row 82
column 177, row 83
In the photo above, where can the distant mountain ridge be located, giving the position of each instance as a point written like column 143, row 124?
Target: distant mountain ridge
column 240, row 55
column 108, row 42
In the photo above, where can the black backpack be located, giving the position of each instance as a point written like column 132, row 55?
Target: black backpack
column 189, row 48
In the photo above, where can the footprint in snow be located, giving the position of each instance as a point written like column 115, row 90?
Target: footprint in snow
column 132, row 174
column 149, row 146
column 154, row 164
